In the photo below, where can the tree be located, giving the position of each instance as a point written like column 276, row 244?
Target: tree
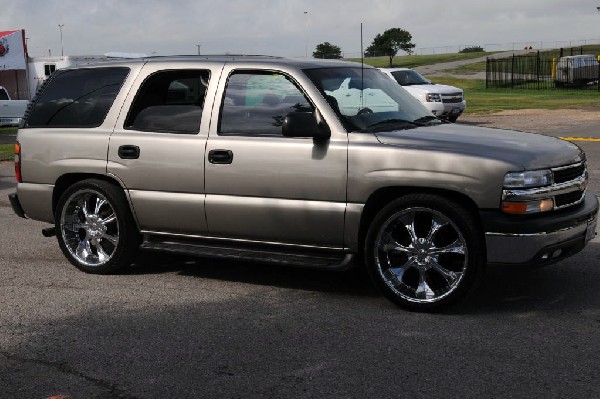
column 472, row 49
column 390, row 42
column 327, row 50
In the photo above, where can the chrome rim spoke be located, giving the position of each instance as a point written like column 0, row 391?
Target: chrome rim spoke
column 100, row 202
column 84, row 249
column 112, row 239
column 450, row 276
column 392, row 246
column 457, row 247
column 109, row 219
column 423, row 290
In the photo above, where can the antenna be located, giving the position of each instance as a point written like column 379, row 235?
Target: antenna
column 362, row 68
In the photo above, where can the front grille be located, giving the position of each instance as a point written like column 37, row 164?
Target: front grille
column 568, row 173
column 452, row 98
column 563, row 200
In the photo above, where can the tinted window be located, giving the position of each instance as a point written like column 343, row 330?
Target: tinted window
column 407, row 78
column 169, row 102
column 77, row 98
column 365, row 100
column 256, row 103
column 3, row 94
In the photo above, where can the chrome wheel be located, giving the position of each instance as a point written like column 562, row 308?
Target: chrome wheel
column 89, row 228
column 420, row 255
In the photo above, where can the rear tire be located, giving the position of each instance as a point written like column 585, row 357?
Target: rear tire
column 94, row 227
column 425, row 252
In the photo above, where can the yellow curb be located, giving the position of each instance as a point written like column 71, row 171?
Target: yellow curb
column 581, row 138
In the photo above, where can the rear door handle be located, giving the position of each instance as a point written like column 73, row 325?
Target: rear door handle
column 129, row 152
column 220, row 156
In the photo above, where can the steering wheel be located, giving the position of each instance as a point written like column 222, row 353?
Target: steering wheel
column 364, row 111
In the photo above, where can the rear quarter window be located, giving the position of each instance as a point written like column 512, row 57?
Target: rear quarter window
column 77, row 98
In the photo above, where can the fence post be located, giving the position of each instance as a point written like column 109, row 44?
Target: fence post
column 487, row 71
column 537, row 69
column 512, row 72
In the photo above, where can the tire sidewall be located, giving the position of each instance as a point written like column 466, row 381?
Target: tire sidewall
column 464, row 221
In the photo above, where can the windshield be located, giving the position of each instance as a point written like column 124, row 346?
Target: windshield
column 409, row 78
column 367, row 100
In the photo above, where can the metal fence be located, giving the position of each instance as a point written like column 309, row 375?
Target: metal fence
column 552, row 70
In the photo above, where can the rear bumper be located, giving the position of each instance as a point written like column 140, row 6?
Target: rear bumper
column 542, row 239
column 16, row 205
column 10, row 121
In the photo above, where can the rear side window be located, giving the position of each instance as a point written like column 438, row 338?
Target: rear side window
column 170, row 102
column 77, row 98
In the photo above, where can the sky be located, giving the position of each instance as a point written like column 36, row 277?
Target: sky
column 294, row 28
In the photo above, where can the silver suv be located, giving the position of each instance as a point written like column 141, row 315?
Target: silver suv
column 315, row 164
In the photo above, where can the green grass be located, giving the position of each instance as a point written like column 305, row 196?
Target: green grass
column 8, row 130
column 7, row 152
column 411, row 61
column 484, row 101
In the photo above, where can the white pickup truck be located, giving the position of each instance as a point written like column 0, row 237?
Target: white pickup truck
column 445, row 102
column 11, row 111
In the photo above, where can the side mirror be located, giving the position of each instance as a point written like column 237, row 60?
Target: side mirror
column 304, row 124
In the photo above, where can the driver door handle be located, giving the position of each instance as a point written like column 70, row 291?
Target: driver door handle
column 221, row 157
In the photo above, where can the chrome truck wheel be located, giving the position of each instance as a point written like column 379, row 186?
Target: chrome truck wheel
column 94, row 227
column 424, row 252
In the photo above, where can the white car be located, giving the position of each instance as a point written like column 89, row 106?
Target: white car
column 446, row 102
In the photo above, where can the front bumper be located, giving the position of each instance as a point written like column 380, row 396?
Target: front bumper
column 541, row 239
column 452, row 109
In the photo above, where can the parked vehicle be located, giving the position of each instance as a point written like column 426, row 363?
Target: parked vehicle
column 319, row 164
column 577, row 70
column 446, row 102
column 11, row 111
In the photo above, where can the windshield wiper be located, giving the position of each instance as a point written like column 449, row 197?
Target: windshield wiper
column 393, row 121
column 425, row 119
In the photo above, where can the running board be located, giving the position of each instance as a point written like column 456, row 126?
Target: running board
column 300, row 257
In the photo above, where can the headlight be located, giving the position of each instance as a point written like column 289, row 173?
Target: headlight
column 528, row 179
column 433, row 98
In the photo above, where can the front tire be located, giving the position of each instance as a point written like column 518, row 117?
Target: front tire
column 94, row 226
column 424, row 252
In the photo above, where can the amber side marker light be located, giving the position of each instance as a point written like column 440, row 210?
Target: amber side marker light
column 521, row 208
column 18, row 163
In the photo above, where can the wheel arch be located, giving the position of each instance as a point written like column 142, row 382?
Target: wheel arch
column 67, row 180
column 381, row 197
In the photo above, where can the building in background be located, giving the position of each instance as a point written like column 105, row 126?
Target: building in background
column 13, row 64
column 22, row 75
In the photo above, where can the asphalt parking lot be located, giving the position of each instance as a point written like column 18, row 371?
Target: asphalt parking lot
column 183, row 327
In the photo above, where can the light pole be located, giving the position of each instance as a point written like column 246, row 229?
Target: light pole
column 62, row 53
column 198, row 46
column 306, row 37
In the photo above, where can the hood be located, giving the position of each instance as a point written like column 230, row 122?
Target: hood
column 523, row 150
